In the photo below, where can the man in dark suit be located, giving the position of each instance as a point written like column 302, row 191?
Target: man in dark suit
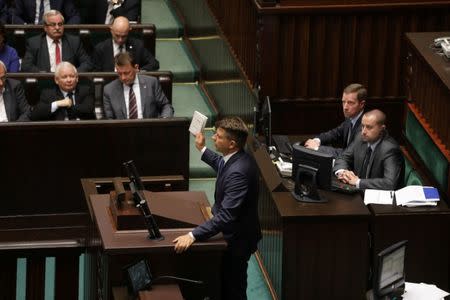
column 134, row 96
column 45, row 51
column 67, row 100
column 28, row 12
column 107, row 10
column 353, row 102
column 106, row 51
column 235, row 210
column 374, row 159
column 13, row 105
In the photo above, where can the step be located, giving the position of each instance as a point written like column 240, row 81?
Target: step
column 174, row 56
column 160, row 13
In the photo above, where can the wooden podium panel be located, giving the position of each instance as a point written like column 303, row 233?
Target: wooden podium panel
column 120, row 248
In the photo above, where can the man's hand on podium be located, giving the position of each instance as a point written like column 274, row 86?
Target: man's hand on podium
column 182, row 243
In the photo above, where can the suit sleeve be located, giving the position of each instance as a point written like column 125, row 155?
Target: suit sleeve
column 235, row 190
column 42, row 110
column 23, row 107
column 164, row 106
column 345, row 161
column 98, row 56
column 129, row 9
column 148, row 61
column 335, row 135
column 84, row 108
column 30, row 58
column 71, row 13
column 18, row 12
column 14, row 65
column 107, row 107
column 392, row 165
column 84, row 61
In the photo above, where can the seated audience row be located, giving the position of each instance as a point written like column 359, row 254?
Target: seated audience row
column 32, row 11
column 44, row 52
column 130, row 96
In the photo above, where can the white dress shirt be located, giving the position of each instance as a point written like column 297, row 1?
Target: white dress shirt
column 3, row 115
column 38, row 6
column 52, row 52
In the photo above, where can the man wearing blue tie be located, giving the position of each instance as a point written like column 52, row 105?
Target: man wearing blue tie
column 235, row 211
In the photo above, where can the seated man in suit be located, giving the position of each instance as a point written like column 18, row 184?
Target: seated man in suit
column 32, row 11
column 374, row 159
column 13, row 105
column 67, row 100
column 45, row 51
column 353, row 102
column 106, row 51
column 107, row 10
column 133, row 96
column 235, row 210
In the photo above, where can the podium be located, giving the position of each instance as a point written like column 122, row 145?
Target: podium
column 179, row 213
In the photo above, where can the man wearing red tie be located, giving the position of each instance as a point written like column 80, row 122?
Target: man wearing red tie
column 44, row 52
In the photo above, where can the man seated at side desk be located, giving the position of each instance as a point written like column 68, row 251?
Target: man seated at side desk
column 374, row 159
column 353, row 102
column 134, row 96
column 67, row 100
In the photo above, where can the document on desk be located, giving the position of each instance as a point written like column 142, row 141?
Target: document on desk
column 423, row 291
column 198, row 123
column 378, row 197
column 417, row 195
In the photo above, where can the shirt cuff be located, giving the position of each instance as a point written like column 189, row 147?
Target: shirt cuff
column 203, row 149
column 357, row 183
column 339, row 171
column 192, row 236
column 54, row 107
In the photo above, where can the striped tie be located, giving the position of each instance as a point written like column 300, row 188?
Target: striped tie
column 132, row 106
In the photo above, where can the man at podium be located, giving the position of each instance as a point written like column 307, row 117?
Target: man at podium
column 235, row 211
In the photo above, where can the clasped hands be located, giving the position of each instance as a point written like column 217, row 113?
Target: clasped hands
column 347, row 176
column 66, row 102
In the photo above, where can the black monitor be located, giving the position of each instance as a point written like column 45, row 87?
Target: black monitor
column 310, row 170
column 390, row 275
column 265, row 121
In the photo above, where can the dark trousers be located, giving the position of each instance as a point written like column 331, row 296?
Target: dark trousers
column 234, row 276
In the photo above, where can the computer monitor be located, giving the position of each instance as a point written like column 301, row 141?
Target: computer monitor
column 310, row 170
column 265, row 121
column 390, row 275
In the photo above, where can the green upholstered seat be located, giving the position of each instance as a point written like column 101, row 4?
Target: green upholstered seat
column 411, row 176
column 432, row 157
column 188, row 97
column 174, row 56
column 160, row 13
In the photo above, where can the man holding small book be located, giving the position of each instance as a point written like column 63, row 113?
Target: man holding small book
column 374, row 160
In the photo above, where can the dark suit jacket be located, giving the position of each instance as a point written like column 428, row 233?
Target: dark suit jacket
column 37, row 58
column 129, row 9
column 83, row 108
column 235, row 208
column 25, row 11
column 339, row 136
column 386, row 167
column 154, row 102
column 104, row 55
column 17, row 108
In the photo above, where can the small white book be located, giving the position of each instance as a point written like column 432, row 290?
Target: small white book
column 198, row 123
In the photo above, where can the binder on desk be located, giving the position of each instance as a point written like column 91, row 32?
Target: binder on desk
column 410, row 196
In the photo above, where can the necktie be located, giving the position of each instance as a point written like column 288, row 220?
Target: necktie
column 120, row 48
column 221, row 165
column 363, row 173
column 57, row 52
column 132, row 106
column 41, row 11
column 69, row 110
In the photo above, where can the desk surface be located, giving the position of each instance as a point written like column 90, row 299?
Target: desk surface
column 135, row 241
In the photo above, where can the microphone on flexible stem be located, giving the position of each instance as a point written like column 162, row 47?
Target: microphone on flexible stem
column 152, row 227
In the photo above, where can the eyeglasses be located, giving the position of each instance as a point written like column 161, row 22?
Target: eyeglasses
column 54, row 24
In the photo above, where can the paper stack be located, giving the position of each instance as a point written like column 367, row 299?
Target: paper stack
column 198, row 123
column 417, row 195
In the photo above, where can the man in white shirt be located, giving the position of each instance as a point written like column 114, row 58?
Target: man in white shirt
column 32, row 11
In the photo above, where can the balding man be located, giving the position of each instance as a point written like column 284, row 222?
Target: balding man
column 120, row 42
column 373, row 160
column 45, row 51
column 13, row 105
column 67, row 100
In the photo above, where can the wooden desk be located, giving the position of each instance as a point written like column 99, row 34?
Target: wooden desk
column 157, row 292
column 322, row 251
column 120, row 248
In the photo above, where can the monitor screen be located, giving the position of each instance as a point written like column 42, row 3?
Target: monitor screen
column 391, row 269
column 310, row 170
column 322, row 162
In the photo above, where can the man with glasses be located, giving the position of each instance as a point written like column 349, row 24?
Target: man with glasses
column 32, row 11
column 45, row 51
column 120, row 42
column 13, row 105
